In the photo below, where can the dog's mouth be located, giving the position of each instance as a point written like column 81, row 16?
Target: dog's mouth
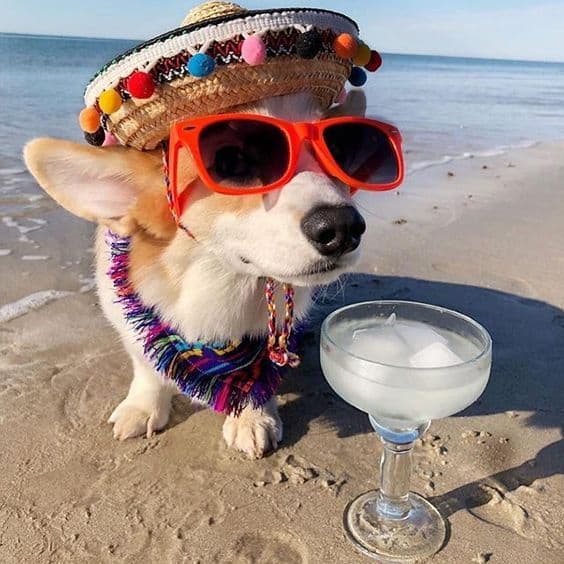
column 318, row 272
column 318, row 267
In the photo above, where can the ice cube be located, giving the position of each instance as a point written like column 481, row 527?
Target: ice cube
column 435, row 355
column 381, row 344
column 391, row 320
column 418, row 336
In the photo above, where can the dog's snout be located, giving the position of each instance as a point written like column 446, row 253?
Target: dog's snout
column 334, row 230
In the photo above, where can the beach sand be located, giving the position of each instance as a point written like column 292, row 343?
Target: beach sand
column 486, row 239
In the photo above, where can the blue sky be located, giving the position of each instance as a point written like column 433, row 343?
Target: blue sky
column 514, row 29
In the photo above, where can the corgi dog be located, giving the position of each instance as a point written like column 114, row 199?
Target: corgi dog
column 209, row 287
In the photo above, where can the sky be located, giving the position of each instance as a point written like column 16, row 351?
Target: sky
column 505, row 29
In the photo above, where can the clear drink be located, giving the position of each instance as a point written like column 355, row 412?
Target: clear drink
column 377, row 376
column 404, row 364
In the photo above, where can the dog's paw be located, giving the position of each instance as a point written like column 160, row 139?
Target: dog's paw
column 133, row 418
column 254, row 432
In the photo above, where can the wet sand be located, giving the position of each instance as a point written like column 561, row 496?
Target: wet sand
column 486, row 239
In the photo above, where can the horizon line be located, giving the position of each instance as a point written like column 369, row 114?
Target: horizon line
column 472, row 57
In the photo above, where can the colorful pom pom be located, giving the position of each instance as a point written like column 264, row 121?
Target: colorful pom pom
column 345, row 45
column 89, row 120
column 362, row 55
column 109, row 101
column 200, row 65
column 140, row 85
column 96, row 138
column 375, row 62
column 358, row 77
column 110, row 140
column 309, row 44
column 253, row 50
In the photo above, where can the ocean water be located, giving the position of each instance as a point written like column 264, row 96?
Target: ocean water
column 445, row 107
column 41, row 85
column 452, row 107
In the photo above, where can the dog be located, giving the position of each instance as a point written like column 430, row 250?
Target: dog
column 210, row 289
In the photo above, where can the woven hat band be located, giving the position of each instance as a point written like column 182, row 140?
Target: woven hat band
column 144, row 126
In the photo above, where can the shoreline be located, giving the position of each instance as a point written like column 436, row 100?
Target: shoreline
column 496, row 151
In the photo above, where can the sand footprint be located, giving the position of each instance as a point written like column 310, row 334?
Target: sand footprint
column 494, row 504
column 298, row 470
column 262, row 549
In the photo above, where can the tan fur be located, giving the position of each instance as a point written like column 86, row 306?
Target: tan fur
column 146, row 249
column 151, row 212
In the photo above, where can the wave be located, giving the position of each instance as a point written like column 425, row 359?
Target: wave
column 28, row 303
column 418, row 166
column 11, row 170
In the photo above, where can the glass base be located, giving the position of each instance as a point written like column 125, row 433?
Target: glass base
column 418, row 535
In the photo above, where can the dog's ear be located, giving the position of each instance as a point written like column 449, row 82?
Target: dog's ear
column 97, row 184
column 354, row 105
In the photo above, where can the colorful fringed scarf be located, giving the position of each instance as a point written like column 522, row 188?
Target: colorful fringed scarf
column 226, row 376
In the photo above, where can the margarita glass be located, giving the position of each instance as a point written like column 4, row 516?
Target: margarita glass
column 403, row 363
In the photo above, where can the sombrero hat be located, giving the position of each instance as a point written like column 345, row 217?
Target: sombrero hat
column 221, row 57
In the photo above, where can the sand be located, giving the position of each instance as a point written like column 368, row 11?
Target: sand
column 487, row 240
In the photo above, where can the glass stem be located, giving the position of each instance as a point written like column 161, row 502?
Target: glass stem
column 395, row 473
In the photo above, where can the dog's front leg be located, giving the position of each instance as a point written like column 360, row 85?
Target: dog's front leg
column 146, row 408
column 255, row 431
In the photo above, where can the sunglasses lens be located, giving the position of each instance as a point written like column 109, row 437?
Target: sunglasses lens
column 363, row 152
column 239, row 153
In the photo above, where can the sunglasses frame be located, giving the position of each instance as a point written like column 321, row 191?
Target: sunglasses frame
column 186, row 134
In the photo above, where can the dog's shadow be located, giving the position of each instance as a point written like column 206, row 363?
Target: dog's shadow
column 528, row 337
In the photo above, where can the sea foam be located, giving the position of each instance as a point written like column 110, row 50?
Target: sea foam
column 418, row 166
column 28, row 303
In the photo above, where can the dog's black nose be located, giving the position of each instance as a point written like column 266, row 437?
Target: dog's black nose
column 334, row 230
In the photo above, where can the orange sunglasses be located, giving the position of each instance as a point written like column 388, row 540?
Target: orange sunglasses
column 240, row 154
